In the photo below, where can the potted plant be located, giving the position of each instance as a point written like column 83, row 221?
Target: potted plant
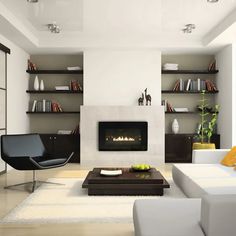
column 207, row 124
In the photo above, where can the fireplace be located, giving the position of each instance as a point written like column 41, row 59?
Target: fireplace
column 123, row 136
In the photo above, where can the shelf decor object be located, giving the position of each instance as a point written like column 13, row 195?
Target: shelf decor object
column 36, row 83
column 41, row 86
column 207, row 125
column 175, row 126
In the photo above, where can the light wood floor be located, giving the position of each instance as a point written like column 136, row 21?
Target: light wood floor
column 11, row 198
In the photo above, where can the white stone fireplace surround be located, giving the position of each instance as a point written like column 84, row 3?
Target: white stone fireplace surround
column 91, row 115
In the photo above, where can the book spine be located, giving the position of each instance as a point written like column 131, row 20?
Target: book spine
column 198, row 84
column 44, row 105
column 34, row 106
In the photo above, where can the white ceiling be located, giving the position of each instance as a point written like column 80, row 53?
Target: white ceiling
column 118, row 24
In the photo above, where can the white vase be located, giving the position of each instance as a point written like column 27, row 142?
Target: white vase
column 175, row 126
column 36, row 83
column 41, row 86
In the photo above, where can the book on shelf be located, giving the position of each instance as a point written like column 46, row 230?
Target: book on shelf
column 181, row 109
column 188, row 85
column 75, row 86
column 64, row 132
column 74, row 68
column 170, row 66
column 76, row 130
column 44, row 105
column 62, row 87
column 56, row 107
column 34, row 106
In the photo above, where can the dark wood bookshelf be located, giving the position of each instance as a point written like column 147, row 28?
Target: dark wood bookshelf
column 189, row 72
column 54, row 91
column 190, row 92
column 54, row 113
column 80, row 72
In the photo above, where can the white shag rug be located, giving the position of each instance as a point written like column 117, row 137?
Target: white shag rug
column 70, row 203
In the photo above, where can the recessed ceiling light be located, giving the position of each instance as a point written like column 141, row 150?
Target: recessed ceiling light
column 32, row 1
column 54, row 28
column 188, row 28
column 212, row 1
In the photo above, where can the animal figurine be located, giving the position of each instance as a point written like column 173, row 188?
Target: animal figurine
column 140, row 100
column 148, row 98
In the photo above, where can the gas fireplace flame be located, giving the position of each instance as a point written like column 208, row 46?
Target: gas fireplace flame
column 123, row 139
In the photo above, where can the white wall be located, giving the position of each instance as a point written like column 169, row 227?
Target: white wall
column 234, row 95
column 118, row 77
column 17, row 83
column 225, row 98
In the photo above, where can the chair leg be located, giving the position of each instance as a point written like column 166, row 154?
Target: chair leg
column 33, row 182
column 15, row 185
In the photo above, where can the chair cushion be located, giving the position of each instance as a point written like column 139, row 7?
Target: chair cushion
column 230, row 158
column 43, row 161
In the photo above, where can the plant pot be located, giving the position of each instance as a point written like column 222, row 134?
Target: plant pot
column 204, row 146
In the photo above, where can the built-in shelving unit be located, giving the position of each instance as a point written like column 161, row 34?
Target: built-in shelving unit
column 80, row 72
column 55, row 114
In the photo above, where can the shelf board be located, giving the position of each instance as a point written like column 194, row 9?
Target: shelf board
column 186, row 112
column 189, row 72
column 181, row 112
column 190, row 92
column 55, row 71
column 54, row 113
column 54, row 91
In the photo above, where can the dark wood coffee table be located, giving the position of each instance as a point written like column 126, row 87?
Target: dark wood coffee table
column 129, row 183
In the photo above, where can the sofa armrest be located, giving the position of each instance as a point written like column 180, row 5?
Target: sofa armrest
column 208, row 156
column 218, row 214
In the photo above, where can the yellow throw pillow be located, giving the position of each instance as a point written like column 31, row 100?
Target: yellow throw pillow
column 230, row 158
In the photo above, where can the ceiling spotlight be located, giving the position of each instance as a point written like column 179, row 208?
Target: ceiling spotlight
column 212, row 1
column 189, row 28
column 54, row 28
column 32, row 1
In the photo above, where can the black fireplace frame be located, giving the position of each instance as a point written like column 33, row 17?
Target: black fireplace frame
column 142, row 125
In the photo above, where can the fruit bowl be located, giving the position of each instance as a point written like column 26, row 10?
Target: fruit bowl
column 141, row 168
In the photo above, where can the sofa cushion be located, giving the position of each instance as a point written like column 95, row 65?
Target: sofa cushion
column 218, row 214
column 167, row 217
column 230, row 158
column 195, row 180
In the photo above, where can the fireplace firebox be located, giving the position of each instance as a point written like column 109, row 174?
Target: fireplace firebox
column 123, row 136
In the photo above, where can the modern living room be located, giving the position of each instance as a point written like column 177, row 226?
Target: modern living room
column 117, row 117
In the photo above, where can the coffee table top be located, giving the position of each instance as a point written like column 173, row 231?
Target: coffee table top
column 128, row 177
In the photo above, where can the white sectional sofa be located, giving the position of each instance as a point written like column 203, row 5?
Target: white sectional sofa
column 214, row 215
column 210, row 209
column 206, row 175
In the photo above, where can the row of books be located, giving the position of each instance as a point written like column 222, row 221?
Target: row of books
column 169, row 108
column 75, row 86
column 45, row 106
column 194, row 85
